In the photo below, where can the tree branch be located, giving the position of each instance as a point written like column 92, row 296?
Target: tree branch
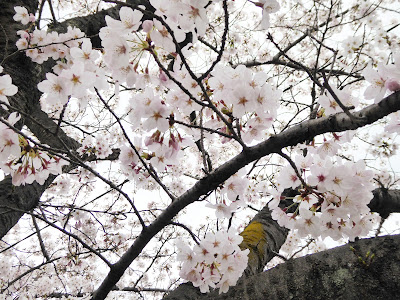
column 291, row 137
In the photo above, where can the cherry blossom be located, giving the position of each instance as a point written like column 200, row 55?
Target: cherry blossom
column 56, row 89
column 7, row 88
column 330, row 105
column 162, row 38
column 171, row 118
column 217, row 262
column 27, row 163
column 85, row 54
column 194, row 16
column 334, row 188
column 77, row 80
column 21, row 15
column 9, row 140
column 130, row 19
column 385, row 78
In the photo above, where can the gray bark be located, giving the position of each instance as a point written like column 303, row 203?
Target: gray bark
column 25, row 75
column 385, row 202
column 338, row 273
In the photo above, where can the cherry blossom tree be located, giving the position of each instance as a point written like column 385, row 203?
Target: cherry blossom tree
column 146, row 143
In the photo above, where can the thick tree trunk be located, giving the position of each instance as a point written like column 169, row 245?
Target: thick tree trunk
column 26, row 75
column 15, row 201
column 339, row 273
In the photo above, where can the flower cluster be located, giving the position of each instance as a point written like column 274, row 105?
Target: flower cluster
column 217, row 262
column 26, row 163
column 330, row 105
column 74, row 75
column 100, row 147
column 189, row 15
column 41, row 45
column 120, row 40
column 75, row 72
column 240, row 92
column 231, row 195
column 74, row 79
column 333, row 202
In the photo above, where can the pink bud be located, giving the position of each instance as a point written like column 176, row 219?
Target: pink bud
column 392, row 84
column 116, row 88
column 163, row 77
column 147, row 25
column 23, row 34
column 32, row 18
column 148, row 141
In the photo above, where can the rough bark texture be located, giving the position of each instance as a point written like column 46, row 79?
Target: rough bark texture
column 338, row 273
column 263, row 237
column 25, row 76
column 15, row 201
column 385, row 202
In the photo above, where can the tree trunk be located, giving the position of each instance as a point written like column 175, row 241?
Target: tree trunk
column 26, row 75
column 339, row 273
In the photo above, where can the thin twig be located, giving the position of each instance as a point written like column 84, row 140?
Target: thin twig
column 42, row 247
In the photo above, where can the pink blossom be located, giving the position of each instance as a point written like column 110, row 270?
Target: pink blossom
column 216, row 262
column 77, row 79
column 130, row 19
column 56, row 89
column 7, row 88
column 328, row 148
column 392, row 84
column 288, row 178
column 9, row 140
column 377, row 78
column 194, row 16
column 21, row 15
column 85, row 54
column 222, row 210
column 147, row 26
column 116, row 51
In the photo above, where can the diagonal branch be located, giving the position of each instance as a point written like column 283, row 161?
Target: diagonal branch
column 291, row 137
